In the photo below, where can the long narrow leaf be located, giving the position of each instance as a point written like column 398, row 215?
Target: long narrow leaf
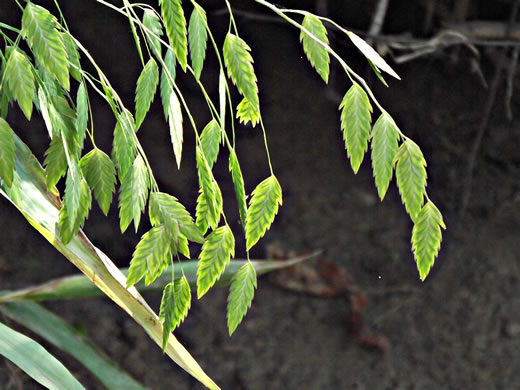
column 56, row 331
column 79, row 286
column 35, row 360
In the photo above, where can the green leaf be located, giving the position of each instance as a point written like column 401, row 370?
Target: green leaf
column 123, row 148
column 202, row 212
column 175, row 303
column 145, row 91
column 222, row 86
column 238, row 184
column 100, row 173
column 32, row 358
column 55, row 162
column 39, row 30
column 411, row 176
column 315, row 51
column 166, row 83
column 18, row 75
column 73, row 55
column 210, row 191
column 384, row 143
column 215, row 255
column 175, row 124
column 263, row 207
column 7, row 155
column 239, row 64
column 151, row 22
column 167, row 210
column 69, row 226
column 82, row 113
column 73, row 341
column 198, row 38
column 39, row 206
column 355, row 124
column 240, row 296
column 133, row 194
column 372, row 55
column 175, row 23
column 210, row 141
column 246, row 113
column 150, row 257
column 71, row 199
column 427, row 237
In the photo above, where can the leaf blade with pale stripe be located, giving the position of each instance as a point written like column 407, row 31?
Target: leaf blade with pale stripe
column 175, row 124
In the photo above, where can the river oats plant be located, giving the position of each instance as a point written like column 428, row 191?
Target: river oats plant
column 44, row 70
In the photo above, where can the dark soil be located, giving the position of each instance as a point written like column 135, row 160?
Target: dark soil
column 458, row 330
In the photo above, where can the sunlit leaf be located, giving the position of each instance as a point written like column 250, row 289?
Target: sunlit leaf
column 247, row 113
column 73, row 56
column 215, row 255
column 39, row 30
column 175, row 303
column 238, row 184
column 355, row 124
column 427, row 237
column 145, row 90
column 372, row 55
column 55, row 162
column 175, row 23
column 202, row 212
column 175, row 124
column 239, row 64
column 69, row 226
column 263, row 206
column 151, row 256
column 315, row 51
column 81, row 113
column 210, row 141
column 123, row 149
column 241, row 295
column 18, row 75
column 100, row 173
column 166, row 210
column 384, row 143
column 133, row 194
column 198, row 37
column 7, row 153
column 411, row 176
column 210, row 192
column 151, row 22
column 166, row 83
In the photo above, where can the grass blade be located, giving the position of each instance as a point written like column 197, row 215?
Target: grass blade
column 79, row 286
column 35, row 360
column 41, row 207
column 56, row 331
